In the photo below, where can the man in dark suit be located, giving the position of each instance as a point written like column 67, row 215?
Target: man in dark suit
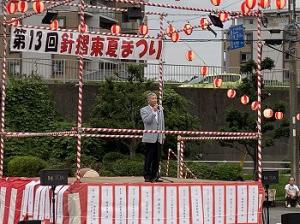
column 153, row 118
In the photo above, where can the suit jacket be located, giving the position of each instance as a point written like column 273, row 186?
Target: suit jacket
column 150, row 123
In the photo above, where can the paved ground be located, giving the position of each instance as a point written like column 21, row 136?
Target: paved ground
column 276, row 212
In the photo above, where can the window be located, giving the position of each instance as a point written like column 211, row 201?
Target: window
column 248, row 38
column 58, row 67
column 245, row 57
column 14, row 67
column 61, row 22
column 250, row 21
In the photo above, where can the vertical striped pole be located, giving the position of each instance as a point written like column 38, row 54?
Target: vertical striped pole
column 168, row 163
column 80, row 91
column 181, row 159
column 259, row 84
column 3, row 88
column 178, row 155
column 161, row 66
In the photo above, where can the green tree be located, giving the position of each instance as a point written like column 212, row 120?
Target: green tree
column 238, row 120
column 118, row 106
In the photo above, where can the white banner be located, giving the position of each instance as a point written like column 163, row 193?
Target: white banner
column 93, row 45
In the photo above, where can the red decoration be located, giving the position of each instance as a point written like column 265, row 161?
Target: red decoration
column 264, row 3
column 223, row 16
column 268, row 113
column 22, row 6
column 54, row 25
column 231, row 93
column 190, row 55
column 217, row 82
column 85, row 28
column 38, row 6
column 250, row 3
column 11, row 7
column 175, row 36
column 280, row 4
column 203, row 70
column 203, row 23
column 244, row 8
column 215, row 2
column 143, row 30
column 244, row 99
column 279, row 115
column 188, row 29
column 170, row 29
column 115, row 29
column 298, row 117
column 15, row 22
column 254, row 105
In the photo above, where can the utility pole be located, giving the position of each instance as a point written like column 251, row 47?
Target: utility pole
column 292, row 51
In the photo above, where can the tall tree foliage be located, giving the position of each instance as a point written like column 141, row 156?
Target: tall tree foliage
column 238, row 120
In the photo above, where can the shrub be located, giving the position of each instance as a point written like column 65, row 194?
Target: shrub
column 127, row 167
column 200, row 170
column 226, row 171
column 25, row 166
column 110, row 158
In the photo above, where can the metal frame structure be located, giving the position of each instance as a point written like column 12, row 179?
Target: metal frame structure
column 79, row 132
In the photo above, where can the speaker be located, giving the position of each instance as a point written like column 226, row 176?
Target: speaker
column 134, row 13
column 290, row 218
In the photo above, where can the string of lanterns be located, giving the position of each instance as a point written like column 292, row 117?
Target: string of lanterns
column 248, row 5
column 268, row 112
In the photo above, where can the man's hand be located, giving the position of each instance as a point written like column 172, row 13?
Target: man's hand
column 155, row 108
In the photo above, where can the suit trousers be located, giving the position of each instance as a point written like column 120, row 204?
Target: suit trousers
column 152, row 159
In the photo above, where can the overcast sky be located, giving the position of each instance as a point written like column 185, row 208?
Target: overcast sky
column 208, row 52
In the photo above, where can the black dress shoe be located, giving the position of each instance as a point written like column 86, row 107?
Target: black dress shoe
column 157, row 180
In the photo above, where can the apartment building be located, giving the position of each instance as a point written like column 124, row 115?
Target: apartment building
column 56, row 66
column 274, row 26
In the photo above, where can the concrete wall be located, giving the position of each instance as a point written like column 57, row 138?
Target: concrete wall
column 209, row 105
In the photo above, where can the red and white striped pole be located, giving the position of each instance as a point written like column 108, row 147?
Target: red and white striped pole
column 181, row 159
column 80, row 91
column 161, row 65
column 259, row 84
column 3, row 88
column 168, row 163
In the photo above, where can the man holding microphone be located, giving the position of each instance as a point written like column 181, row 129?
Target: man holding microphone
column 153, row 119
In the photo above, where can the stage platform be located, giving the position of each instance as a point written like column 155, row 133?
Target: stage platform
column 129, row 200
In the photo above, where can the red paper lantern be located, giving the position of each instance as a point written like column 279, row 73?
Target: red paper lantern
column 254, row 105
column 85, row 28
column 175, row 36
column 268, row 113
column 279, row 115
column 298, row 117
column 188, row 29
column 217, row 82
column 11, row 7
column 38, row 6
column 22, row 6
column 115, row 29
column 215, row 2
column 15, row 22
column 244, row 8
column 231, row 93
column 203, row 70
column 223, row 16
column 54, row 25
column 143, row 29
column 250, row 3
column 203, row 23
column 244, row 99
column 264, row 3
column 170, row 29
column 280, row 4
column 190, row 55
